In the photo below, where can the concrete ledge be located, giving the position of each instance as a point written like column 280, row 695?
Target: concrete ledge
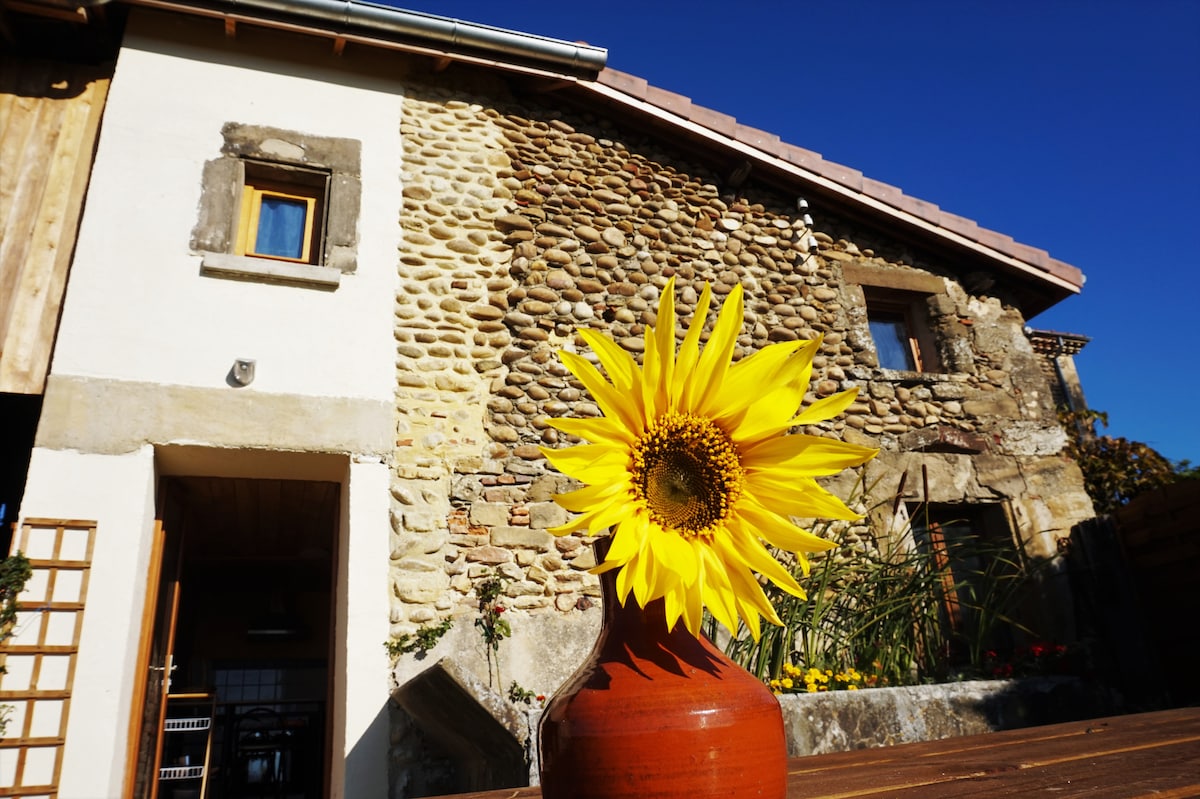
column 267, row 270
column 112, row 417
column 840, row 721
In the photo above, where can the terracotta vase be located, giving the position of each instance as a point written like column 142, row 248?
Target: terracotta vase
column 657, row 714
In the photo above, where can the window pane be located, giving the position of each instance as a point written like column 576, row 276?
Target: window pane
column 281, row 227
column 891, row 342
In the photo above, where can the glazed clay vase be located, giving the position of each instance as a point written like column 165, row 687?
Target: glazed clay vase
column 658, row 714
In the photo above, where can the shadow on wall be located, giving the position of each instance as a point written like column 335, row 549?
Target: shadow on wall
column 451, row 733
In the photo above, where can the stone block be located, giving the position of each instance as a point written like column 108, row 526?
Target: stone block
column 525, row 537
column 420, row 588
column 490, row 514
column 547, row 514
column 1001, row 405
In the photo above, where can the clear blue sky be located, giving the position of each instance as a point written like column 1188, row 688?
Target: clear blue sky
column 1070, row 125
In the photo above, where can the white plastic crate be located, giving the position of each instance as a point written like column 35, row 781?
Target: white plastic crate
column 180, row 772
column 186, row 725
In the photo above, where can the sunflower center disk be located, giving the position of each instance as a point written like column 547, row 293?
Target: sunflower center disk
column 687, row 472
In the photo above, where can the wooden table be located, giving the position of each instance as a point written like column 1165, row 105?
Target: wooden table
column 1146, row 754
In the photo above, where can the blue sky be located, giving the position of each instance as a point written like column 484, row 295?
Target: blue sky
column 1070, row 125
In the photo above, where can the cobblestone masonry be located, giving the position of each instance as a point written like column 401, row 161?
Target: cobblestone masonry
column 524, row 223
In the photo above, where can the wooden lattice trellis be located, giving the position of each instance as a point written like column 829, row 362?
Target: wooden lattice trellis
column 41, row 655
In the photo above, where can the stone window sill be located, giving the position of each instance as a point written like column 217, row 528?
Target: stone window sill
column 267, row 270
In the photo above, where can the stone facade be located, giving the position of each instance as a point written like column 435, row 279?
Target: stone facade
column 524, row 223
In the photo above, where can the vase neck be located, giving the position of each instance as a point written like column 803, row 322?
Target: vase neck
column 643, row 630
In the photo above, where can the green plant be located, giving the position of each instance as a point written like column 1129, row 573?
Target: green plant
column 523, row 696
column 15, row 571
column 424, row 639
column 884, row 608
column 1115, row 469
column 492, row 627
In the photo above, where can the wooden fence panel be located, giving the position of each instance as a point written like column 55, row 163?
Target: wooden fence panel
column 1160, row 536
column 41, row 655
column 49, row 120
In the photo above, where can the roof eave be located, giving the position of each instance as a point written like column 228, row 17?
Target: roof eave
column 1056, row 279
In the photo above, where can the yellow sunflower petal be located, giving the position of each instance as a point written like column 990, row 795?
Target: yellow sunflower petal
column 801, row 498
column 779, row 531
column 714, row 359
column 599, row 430
column 745, row 547
column 619, row 364
column 612, row 402
column 826, row 408
column 590, row 498
column 664, row 335
column 797, row 456
column 717, row 591
column 744, row 382
column 689, row 353
column 590, row 463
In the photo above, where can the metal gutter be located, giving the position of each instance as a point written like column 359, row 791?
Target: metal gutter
column 372, row 21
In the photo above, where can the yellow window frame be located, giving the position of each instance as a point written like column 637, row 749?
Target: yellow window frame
column 252, row 198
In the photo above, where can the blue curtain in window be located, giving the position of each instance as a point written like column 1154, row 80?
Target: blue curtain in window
column 281, row 227
column 891, row 342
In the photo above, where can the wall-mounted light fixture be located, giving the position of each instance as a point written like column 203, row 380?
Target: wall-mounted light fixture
column 242, row 373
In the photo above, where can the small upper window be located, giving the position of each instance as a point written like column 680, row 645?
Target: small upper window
column 282, row 219
column 280, row 206
column 896, row 302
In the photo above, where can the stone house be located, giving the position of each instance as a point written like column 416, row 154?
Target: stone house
column 320, row 260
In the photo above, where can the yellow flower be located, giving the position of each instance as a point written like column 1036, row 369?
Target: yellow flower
column 692, row 468
column 786, row 682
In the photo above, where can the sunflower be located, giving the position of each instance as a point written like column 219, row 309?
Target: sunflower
column 693, row 470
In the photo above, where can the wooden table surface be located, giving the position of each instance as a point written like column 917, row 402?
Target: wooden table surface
column 1146, row 754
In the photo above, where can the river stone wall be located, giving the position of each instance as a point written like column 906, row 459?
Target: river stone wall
column 523, row 223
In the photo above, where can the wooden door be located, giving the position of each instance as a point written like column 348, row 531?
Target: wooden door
column 158, row 643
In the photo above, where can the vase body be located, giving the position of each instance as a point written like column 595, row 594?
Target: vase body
column 658, row 714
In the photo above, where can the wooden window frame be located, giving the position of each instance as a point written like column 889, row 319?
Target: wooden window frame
column 896, row 291
column 263, row 180
column 909, row 307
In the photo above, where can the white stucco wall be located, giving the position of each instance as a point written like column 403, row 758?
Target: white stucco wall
column 137, row 307
column 139, row 317
column 361, row 627
column 116, row 492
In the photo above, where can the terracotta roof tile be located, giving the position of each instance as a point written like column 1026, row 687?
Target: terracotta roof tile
column 669, row 101
column 922, row 209
column 756, row 138
column 883, row 192
column 771, row 146
column 713, row 120
column 799, row 156
column 1071, row 274
column 624, row 82
column 967, row 228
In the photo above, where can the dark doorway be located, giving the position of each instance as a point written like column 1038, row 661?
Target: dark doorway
column 253, row 629
column 19, row 414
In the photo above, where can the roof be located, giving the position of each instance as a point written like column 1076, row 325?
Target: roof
column 578, row 72
column 840, row 180
column 1054, row 342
